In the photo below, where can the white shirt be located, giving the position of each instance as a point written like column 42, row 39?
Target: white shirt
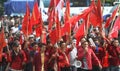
column 73, row 55
column 14, row 29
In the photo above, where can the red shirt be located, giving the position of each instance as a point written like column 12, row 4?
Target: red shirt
column 16, row 62
column 63, row 59
column 27, row 53
column 51, row 56
column 114, row 53
column 90, row 57
column 38, row 63
column 100, row 53
column 105, row 61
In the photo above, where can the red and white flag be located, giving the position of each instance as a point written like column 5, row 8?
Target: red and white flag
column 116, row 27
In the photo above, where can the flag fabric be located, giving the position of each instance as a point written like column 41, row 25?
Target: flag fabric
column 67, row 11
column 59, row 8
column 81, row 16
column 52, row 6
column 53, row 36
column 55, row 33
column 26, row 25
column 51, row 20
column 51, row 14
column 58, row 27
column 2, row 42
column 96, row 14
column 38, row 28
column 75, row 19
column 116, row 27
column 55, row 6
column 112, row 17
column 2, row 39
column 67, row 26
column 80, row 32
column 76, row 28
column 35, row 14
column 99, row 12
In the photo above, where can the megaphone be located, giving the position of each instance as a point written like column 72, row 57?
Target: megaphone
column 78, row 64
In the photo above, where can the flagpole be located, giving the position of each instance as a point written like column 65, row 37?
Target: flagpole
column 27, row 23
column 103, row 6
column 88, row 19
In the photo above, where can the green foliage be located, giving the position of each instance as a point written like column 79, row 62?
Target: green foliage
column 2, row 6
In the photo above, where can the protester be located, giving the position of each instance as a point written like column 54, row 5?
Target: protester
column 114, row 55
column 40, row 59
column 63, row 57
column 87, row 57
column 16, row 58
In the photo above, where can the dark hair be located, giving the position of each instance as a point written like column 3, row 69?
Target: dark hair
column 61, row 42
column 114, row 40
column 15, row 44
column 84, row 42
column 34, row 43
column 41, row 44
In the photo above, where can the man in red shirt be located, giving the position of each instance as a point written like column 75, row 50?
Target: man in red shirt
column 51, row 55
column 16, row 58
column 114, row 55
column 40, row 59
column 63, row 57
column 86, row 56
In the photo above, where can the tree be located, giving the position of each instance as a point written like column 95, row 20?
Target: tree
column 2, row 7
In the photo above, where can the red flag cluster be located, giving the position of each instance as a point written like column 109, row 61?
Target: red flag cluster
column 26, row 25
column 90, row 16
column 34, row 20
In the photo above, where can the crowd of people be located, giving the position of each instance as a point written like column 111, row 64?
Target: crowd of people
column 92, row 53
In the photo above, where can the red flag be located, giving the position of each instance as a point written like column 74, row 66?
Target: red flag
column 26, row 25
column 2, row 43
column 75, row 19
column 80, row 32
column 51, row 13
column 75, row 28
column 2, row 39
column 55, row 34
column 67, row 11
column 111, row 18
column 55, row 6
column 51, row 20
column 67, row 26
column 96, row 14
column 35, row 14
column 83, row 15
column 52, row 5
column 116, row 27
column 58, row 27
column 99, row 12
column 39, row 26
